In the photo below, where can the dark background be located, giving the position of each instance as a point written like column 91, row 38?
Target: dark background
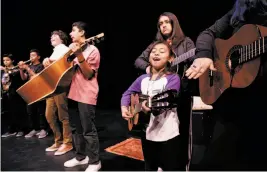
column 129, row 27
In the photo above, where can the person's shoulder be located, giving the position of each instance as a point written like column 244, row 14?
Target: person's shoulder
column 65, row 46
column 187, row 39
column 172, row 76
column 40, row 65
column 93, row 49
column 61, row 46
column 143, row 76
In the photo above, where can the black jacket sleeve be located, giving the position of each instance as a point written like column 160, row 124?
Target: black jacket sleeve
column 205, row 41
column 142, row 61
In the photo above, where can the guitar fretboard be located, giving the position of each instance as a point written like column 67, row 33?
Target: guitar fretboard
column 183, row 57
column 253, row 50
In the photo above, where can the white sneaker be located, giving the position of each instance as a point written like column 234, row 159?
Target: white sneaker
column 42, row 134
column 74, row 162
column 7, row 134
column 19, row 134
column 93, row 167
column 31, row 134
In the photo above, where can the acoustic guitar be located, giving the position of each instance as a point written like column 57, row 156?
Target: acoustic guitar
column 179, row 59
column 237, row 64
column 160, row 101
column 54, row 79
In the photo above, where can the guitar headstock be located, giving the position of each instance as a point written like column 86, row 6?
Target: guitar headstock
column 96, row 39
column 166, row 99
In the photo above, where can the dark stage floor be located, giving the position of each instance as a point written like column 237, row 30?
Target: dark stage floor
column 29, row 154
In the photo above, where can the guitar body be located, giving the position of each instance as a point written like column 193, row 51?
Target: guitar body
column 134, row 102
column 244, row 74
column 53, row 80
column 161, row 101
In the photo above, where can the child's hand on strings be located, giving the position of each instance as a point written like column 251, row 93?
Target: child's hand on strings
column 125, row 113
column 145, row 109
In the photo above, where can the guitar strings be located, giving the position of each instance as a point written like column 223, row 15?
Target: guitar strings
column 244, row 55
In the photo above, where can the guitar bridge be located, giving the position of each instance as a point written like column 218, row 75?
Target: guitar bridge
column 211, row 77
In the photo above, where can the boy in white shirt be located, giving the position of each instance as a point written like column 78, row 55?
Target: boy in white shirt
column 59, row 102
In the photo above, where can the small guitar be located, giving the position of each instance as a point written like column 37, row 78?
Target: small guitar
column 238, row 63
column 161, row 101
column 54, row 79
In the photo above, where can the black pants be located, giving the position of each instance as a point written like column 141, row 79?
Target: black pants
column 185, row 117
column 36, row 112
column 166, row 155
column 244, row 115
column 85, row 137
column 16, row 116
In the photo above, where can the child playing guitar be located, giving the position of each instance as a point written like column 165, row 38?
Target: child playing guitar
column 161, row 144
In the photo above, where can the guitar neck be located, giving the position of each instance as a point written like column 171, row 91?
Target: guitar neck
column 184, row 57
column 252, row 51
column 164, row 100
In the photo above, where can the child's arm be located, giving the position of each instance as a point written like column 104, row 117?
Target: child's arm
column 173, row 82
column 126, row 97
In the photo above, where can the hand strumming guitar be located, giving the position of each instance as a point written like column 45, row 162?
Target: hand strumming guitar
column 46, row 62
column 199, row 66
column 125, row 113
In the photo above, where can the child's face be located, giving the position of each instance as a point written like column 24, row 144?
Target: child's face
column 34, row 57
column 7, row 61
column 159, row 56
column 55, row 40
column 76, row 34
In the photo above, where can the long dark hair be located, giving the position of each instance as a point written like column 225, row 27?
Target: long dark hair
column 243, row 10
column 177, row 35
column 167, row 70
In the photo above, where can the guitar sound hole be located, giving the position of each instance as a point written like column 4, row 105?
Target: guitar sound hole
column 232, row 58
